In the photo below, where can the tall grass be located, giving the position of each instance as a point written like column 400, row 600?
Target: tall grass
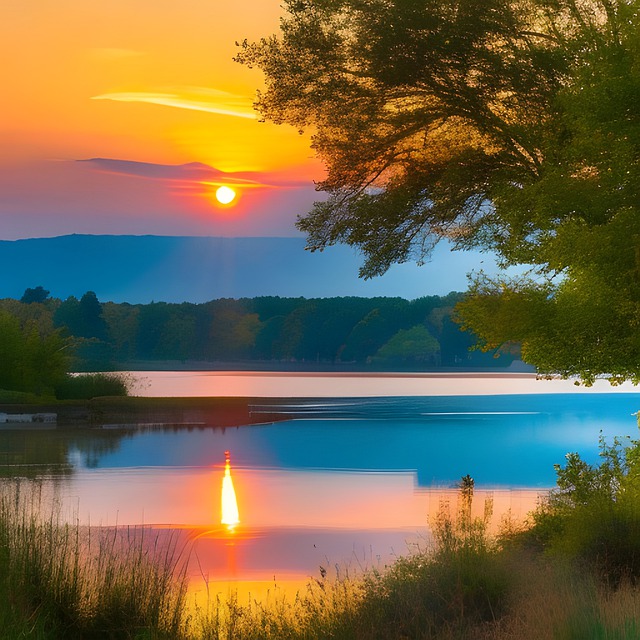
column 452, row 590
column 324, row 609
column 64, row 581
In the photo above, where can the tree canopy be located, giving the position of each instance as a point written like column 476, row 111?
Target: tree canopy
column 509, row 125
column 39, row 295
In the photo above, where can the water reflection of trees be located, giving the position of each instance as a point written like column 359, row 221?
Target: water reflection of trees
column 85, row 435
column 35, row 453
column 93, row 444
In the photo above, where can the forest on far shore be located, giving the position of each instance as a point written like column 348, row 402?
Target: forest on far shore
column 377, row 333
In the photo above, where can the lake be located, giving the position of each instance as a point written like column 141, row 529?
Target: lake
column 284, row 384
column 351, row 480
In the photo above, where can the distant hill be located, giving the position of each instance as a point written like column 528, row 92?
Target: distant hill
column 141, row 269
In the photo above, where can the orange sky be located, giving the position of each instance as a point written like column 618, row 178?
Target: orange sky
column 144, row 81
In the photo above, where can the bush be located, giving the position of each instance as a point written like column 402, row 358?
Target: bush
column 462, row 583
column 92, row 385
column 593, row 517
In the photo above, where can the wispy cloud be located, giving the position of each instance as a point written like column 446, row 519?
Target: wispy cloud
column 193, row 174
column 192, row 98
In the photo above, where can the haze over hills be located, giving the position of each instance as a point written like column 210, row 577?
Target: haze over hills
column 141, row 269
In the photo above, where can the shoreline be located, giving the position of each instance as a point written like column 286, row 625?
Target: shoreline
column 134, row 411
column 184, row 399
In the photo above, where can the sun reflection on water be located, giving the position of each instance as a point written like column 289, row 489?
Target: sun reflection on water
column 230, row 514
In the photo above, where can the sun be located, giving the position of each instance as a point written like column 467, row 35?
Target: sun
column 225, row 195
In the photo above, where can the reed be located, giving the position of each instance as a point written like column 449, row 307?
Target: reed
column 65, row 581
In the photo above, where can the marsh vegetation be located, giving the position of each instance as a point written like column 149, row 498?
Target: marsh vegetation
column 570, row 571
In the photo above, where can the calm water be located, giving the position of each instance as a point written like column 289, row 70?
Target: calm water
column 346, row 480
column 327, row 385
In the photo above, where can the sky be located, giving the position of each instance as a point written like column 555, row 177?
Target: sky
column 124, row 117
column 152, row 82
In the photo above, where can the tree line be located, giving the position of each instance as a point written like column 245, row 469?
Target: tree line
column 372, row 332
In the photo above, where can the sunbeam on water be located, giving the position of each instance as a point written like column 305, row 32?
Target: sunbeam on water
column 230, row 515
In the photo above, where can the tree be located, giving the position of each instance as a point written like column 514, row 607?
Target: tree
column 367, row 336
column 510, row 125
column 267, row 338
column 122, row 323
column 34, row 313
column 83, row 318
column 415, row 345
column 376, row 328
column 178, row 337
column 299, row 338
column 232, row 331
column 31, row 361
column 93, row 323
column 151, row 320
column 39, row 294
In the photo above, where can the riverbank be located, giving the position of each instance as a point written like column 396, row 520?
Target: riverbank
column 131, row 411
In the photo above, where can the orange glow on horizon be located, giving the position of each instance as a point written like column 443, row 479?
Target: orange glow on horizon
column 230, row 514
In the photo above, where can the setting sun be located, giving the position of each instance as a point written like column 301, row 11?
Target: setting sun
column 225, row 195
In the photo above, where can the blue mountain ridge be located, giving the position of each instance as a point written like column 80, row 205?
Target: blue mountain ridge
column 141, row 269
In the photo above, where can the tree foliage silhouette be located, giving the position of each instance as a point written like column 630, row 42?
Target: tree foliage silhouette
column 509, row 125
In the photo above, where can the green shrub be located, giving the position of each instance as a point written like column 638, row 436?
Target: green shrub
column 593, row 517
column 92, row 385
column 463, row 582
column 422, row 596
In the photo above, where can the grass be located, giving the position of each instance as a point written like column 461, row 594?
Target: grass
column 8, row 396
column 63, row 581
column 468, row 586
column 541, row 581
